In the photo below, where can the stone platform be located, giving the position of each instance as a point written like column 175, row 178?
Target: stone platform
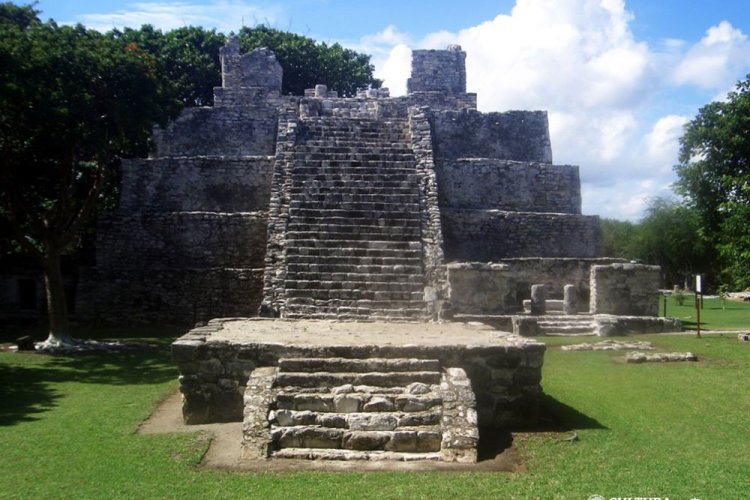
column 215, row 361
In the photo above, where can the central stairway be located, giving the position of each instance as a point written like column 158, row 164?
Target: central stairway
column 353, row 237
column 360, row 409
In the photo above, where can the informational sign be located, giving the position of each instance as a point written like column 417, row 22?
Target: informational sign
column 698, row 280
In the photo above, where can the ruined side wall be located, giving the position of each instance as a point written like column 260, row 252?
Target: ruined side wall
column 206, row 184
column 182, row 240
column 509, row 185
column 438, row 71
column 625, row 289
column 220, row 131
column 175, row 296
column 490, row 235
column 513, row 135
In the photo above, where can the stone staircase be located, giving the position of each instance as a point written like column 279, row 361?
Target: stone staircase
column 360, row 409
column 353, row 236
column 567, row 326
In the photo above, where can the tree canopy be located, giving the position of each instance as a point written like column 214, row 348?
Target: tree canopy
column 714, row 178
column 72, row 101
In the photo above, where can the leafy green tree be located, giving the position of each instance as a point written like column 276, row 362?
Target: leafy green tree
column 619, row 238
column 71, row 102
column 188, row 57
column 714, row 178
column 307, row 63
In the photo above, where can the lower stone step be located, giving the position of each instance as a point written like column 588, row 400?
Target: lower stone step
column 329, row 454
column 358, row 365
column 326, row 379
column 408, row 441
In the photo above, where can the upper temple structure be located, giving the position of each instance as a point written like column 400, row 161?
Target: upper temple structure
column 372, row 207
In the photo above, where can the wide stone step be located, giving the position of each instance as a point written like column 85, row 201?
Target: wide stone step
column 309, row 277
column 354, row 294
column 316, row 221
column 358, row 420
column 406, row 315
column 302, row 176
column 351, row 271
column 353, row 142
column 327, row 379
column 338, row 454
column 367, row 215
column 358, row 244
column 358, row 365
column 354, row 287
column 353, row 233
column 352, row 155
column 371, row 148
column 334, row 183
column 354, row 190
column 383, row 206
column 344, row 260
column 338, row 197
column 411, row 441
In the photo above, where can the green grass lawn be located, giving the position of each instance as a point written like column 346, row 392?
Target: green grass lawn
column 715, row 314
column 681, row 430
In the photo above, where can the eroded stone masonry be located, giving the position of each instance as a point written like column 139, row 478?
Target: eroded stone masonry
column 371, row 208
column 328, row 207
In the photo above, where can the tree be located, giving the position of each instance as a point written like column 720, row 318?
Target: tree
column 307, row 63
column 72, row 101
column 714, row 177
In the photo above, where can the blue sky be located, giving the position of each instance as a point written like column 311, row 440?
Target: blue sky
column 619, row 78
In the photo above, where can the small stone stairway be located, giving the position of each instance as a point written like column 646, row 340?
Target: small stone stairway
column 353, row 241
column 567, row 326
column 360, row 409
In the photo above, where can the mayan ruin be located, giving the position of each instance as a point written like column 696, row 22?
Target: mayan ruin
column 446, row 234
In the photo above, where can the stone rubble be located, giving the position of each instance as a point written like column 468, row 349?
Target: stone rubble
column 642, row 357
column 609, row 345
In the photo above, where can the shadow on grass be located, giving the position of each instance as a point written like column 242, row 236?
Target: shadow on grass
column 556, row 416
column 29, row 390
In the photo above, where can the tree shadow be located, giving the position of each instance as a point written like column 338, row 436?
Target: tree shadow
column 28, row 391
column 25, row 393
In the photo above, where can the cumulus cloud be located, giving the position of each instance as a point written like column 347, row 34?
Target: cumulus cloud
column 580, row 60
column 716, row 60
column 225, row 15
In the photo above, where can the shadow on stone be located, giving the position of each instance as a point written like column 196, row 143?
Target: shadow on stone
column 493, row 443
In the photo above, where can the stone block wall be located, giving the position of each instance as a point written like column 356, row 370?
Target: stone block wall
column 182, row 240
column 509, row 185
column 213, row 374
column 258, row 68
column 490, row 235
column 513, row 135
column 206, row 184
column 438, row 71
column 481, row 288
column 172, row 296
column 625, row 289
column 226, row 131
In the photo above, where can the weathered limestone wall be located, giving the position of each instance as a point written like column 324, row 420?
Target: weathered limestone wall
column 509, row 185
column 513, row 135
column 438, row 71
column 176, row 296
column 490, row 235
column 501, row 287
column 207, row 184
column 213, row 374
column 257, row 68
column 481, row 288
column 220, row 131
column 625, row 289
column 182, row 240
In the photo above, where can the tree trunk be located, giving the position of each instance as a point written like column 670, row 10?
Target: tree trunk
column 57, row 306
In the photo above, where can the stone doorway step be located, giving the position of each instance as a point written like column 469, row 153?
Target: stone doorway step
column 374, row 409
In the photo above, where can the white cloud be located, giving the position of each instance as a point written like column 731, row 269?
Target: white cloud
column 580, row 60
column 225, row 15
column 716, row 60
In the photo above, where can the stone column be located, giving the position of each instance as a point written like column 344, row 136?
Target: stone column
column 570, row 299
column 538, row 300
